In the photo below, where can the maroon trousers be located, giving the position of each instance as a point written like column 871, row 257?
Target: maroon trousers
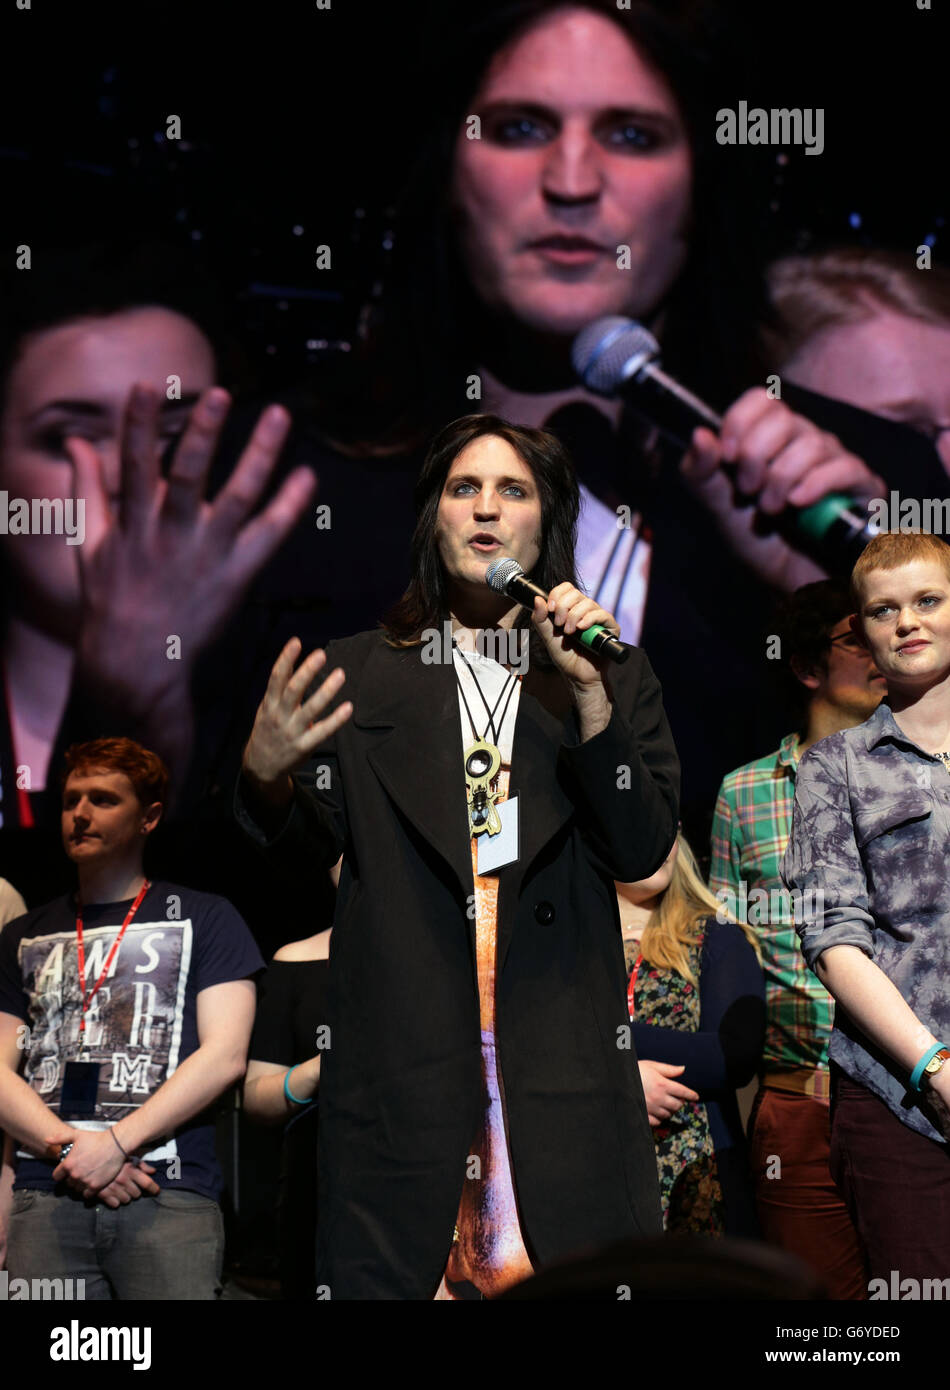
column 896, row 1183
column 798, row 1205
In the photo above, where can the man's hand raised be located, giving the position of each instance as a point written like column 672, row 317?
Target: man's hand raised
column 288, row 727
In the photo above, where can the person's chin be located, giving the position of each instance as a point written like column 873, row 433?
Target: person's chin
column 910, row 677
column 471, row 570
column 563, row 308
column 476, row 572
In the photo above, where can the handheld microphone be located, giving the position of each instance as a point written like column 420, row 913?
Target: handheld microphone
column 507, row 577
column 619, row 357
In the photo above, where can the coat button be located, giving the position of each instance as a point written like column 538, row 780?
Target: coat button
column 544, row 913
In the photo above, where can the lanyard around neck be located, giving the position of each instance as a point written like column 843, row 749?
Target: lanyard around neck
column 81, row 953
column 508, row 685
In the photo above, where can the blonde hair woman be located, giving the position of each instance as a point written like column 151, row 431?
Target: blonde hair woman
column 696, row 1000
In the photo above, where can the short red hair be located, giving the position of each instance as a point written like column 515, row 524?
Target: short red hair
column 144, row 769
column 892, row 549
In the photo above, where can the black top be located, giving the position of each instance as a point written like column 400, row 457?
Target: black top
column 721, row 1057
column 291, row 1006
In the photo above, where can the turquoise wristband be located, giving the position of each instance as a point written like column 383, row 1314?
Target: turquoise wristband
column 918, row 1071
column 289, row 1093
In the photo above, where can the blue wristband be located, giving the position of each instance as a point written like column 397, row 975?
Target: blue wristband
column 917, row 1073
column 289, row 1093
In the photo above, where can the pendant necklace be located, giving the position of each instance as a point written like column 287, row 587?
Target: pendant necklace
column 482, row 760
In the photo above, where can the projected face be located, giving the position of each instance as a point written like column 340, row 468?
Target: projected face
column 582, row 151
column 889, row 363
column 74, row 379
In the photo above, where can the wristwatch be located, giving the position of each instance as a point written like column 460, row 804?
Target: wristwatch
column 936, row 1063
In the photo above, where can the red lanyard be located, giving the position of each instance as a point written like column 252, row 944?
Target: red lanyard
column 631, row 987
column 80, row 951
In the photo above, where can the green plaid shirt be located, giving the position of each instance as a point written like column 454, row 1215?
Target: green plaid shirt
column 751, row 826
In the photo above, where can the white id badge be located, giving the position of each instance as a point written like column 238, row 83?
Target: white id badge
column 495, row 851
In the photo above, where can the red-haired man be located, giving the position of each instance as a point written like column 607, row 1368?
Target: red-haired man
column 129, row 1006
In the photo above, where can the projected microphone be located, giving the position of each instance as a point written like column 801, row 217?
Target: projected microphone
column 507, row 577
column 619, row 357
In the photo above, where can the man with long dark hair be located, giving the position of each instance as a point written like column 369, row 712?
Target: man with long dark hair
column 481, row 1110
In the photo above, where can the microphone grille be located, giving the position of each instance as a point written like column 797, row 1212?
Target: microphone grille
column 498, row 574
column 611, row 349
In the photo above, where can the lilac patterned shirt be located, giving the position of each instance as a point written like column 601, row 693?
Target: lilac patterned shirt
column 869, row 858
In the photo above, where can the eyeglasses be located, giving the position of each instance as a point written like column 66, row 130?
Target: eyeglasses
column 849, row 641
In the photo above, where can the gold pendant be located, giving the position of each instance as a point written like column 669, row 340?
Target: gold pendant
column 482, row 761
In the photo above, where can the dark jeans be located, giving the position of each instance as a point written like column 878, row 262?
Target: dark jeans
column 895, row 1181
column 169, row 1246
column 799, row 1207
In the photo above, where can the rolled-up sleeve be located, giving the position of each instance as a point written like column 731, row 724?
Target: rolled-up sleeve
column 822, row 866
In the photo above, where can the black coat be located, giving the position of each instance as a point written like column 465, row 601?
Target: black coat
column 400, row 1086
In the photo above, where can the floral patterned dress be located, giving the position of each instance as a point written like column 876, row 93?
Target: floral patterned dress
column 686, row 1163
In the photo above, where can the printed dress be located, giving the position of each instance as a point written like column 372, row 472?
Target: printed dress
column 686, row 1163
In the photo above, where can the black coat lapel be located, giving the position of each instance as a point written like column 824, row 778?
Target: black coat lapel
column 418, row 759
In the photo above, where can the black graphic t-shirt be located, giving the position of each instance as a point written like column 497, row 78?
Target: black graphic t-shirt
column 142, row 1022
